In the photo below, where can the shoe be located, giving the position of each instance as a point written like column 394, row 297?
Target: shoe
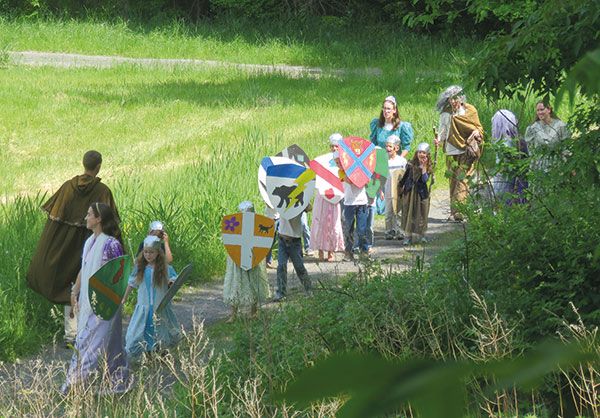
column 400, row 236
column 348, row 257
column 406, row 241
column 278, row 297
column 309, row 253
column 423, row 240
column 389, row 236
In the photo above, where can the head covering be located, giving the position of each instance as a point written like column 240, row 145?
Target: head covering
column 504, row 125
column 393, row 139
column 424, row 146
column 152, row 241
column 392, row 99
column 156, row 226
column 444, row 99
column 335, row 138
column 246, row 206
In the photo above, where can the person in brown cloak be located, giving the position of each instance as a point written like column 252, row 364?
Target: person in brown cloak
column 57, row 259
column 461, row 136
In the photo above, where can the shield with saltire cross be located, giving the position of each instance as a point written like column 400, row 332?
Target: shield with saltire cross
column 358, row 159
column 328, row 182
column 247, row 237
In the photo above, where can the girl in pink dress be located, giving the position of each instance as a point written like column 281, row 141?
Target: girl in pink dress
column 326, row 229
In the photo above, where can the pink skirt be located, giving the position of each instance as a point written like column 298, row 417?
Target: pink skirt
column 326, row 230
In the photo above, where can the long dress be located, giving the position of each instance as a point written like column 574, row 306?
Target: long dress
column 245, row 288
column 326, row 231
column 98, row 342
column 541, row 137
column 415, row 201
column 147, row 330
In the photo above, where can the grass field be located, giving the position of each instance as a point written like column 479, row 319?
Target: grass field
column 182, row 144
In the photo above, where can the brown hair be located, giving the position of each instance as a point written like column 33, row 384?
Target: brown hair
column 396, row 119
column 91, row 159
column 160, row 274
column 546, row 105
column 416, row 163
column 108, row 221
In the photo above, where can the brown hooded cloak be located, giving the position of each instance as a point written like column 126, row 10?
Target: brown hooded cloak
column 57, row 259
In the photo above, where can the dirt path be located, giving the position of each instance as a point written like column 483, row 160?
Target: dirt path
column 58, row 59
column 206, row 301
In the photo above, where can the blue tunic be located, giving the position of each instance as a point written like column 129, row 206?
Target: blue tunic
column 380, row 135
column 148, row 331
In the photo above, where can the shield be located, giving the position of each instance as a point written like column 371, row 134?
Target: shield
column 358, row 159
column 247, row 237
column 181, row 278
column 396, row 176
column 290, row 188
column 328, row 183
column 107, row 286
column 295, row 153
column 262, row 175
column 377, row 182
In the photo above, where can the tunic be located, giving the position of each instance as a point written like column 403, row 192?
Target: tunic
column 98, row 342
column 56, row 261
column 245, row 288
column 148, row 331
column 326, row 232
column 415, row 201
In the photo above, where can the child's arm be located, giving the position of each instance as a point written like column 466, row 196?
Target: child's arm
column 127, row 292
column 168, row 253
column 172, row 276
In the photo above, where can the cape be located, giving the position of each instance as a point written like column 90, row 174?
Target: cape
column 57, row 259
column 461, row 127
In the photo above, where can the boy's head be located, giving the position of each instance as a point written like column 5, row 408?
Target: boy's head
column 392, row 145
column 157, row 229
column 92, row 160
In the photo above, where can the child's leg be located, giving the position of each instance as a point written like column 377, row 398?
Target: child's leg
column 305, row 232
column 282, row 259
column 234, row 310
column 269, row 259
column 390, row 225
column 370, row 226
column 362, row 221
column 348, row 227
column 295, row 253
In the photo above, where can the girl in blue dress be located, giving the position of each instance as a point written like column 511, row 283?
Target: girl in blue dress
column 147, row 330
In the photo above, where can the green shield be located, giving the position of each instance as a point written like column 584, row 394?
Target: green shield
column 107, row 286
column 380, row 174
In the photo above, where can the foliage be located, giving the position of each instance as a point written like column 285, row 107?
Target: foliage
column 538, row 50
column 433, row 389
column 22, row 310
column 462, row 16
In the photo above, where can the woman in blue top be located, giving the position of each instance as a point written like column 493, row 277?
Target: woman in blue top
column 390, row 123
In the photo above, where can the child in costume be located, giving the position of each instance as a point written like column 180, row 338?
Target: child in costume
column 415, row 195
column 147, row 330
column 157, row 228
column 395, row 162
column 356, row 208
column 290, row 247
column 245, row 287
column 326, row 229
